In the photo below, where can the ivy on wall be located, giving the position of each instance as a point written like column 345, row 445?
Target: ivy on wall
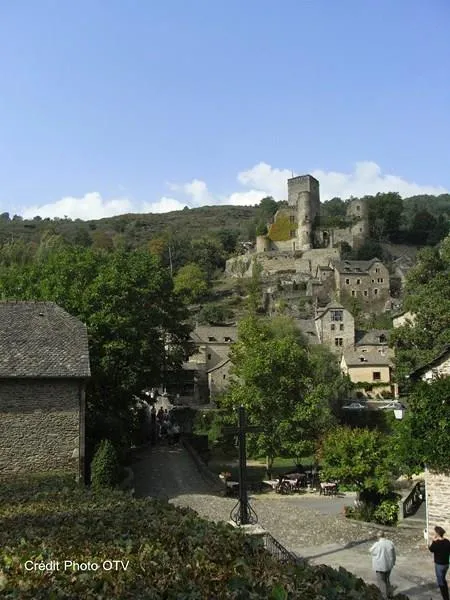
column 280, row 230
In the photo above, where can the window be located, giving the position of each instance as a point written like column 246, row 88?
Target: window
column 224, row 376
column 209, row 356
column 376, row 375
column 292, row 233
column 373, row 280
column 377, row 270
column 211, row 339
column 375, row 291
column 227, row 339
column 358, row 208
column 347, row 281
column 366, row 293
column 337, row 315
column 382, row 339
column 358, row 282
column 380, row 280
column 338, row 341
column 333, row 326
column 353, row 293
column 360, row 230
column 292, row 219
column 341, row 327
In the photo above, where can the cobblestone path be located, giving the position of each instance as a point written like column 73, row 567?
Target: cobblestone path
column 302, row 524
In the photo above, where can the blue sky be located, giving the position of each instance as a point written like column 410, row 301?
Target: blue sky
column 109, row 106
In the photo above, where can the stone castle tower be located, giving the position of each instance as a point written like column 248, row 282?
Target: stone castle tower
column 303, row 194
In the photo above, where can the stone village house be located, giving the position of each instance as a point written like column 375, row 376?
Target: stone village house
column 44, row 366
column 207, row 370
column 437, row 484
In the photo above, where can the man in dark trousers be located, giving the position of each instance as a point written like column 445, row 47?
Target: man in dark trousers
column 383, row 561
column 440, row 547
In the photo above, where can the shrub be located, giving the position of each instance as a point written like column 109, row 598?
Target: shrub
column 386, row 513
column 169, row 552
column 105, row 468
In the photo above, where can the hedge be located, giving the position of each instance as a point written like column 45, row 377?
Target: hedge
column 171, row 553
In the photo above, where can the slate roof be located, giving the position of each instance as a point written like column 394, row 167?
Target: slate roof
column 219, row 364
column 203, row 333
column 40, row 339
column 357, row 267
column 372, row 337
column 370, row 359
column 308, row 328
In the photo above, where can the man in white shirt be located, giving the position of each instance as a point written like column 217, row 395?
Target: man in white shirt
column 383, row 561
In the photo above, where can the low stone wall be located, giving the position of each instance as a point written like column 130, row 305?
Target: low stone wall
column 39, row 426
column 438, row 501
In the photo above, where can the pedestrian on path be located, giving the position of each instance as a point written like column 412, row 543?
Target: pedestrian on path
column 440, row 547
column 383, row 561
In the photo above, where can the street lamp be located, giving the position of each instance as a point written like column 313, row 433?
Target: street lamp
column 399, row 411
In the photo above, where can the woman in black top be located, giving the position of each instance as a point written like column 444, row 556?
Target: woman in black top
column 441, row 550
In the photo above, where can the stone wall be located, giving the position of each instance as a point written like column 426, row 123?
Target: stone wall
column 438, row 499
column 39, row 425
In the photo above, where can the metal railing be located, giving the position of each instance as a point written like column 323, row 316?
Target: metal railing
column 414, row 499
column 279, row 552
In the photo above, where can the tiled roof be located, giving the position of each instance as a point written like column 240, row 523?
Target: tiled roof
column 204, row 334
column 40, row 339
column 367, row 359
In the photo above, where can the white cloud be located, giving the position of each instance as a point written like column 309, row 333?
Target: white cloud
column 90, row 206
column 261, row 180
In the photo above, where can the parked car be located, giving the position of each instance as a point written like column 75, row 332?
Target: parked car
column 354, row 406
column 392, row 406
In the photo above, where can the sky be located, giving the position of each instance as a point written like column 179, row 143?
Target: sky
column 111, row 106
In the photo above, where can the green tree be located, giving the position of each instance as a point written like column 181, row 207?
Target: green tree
column 385, row 215
column 272, row 378
column 424, row 435
column 126, row 300
column 190, row 282
column 215, row 314
column 358, row 457
column 427, row 295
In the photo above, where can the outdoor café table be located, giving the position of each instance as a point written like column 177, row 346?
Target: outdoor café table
column 328, row 488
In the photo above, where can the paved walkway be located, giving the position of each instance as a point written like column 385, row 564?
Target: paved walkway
column 311, row 526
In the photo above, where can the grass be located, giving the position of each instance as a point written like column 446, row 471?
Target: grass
column 220, row 463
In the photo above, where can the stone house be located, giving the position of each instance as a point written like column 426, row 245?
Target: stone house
column 373, row 369
column 44, row 366
column 438, row 367
column 404, row 318
column 367, row 280
column 437, row 484
column 373, row 340
column 209, row 363
column 335, row 327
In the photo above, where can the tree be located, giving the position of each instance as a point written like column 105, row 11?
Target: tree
column 424, row 437
column 214, row 314
column 134, row 321
column 357, row 457
column 427, row 295
column 273, row 379
column 228, row 238
column 267, row 208
column 385, row 215
column 422, row 226
column 190, row 282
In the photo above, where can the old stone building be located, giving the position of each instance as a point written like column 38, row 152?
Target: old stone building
column 367, row 280
column 335, row 327
column 209, row 365
column 372, row 370
column 299, row 227
column 373, row 340
column 44, row 365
